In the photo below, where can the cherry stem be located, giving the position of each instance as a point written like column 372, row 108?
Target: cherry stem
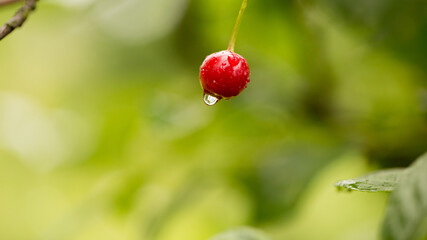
column 237, row 26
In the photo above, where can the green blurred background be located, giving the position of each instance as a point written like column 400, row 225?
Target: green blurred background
column 104, row 134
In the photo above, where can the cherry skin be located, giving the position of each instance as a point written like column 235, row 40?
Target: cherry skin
column 224, row 74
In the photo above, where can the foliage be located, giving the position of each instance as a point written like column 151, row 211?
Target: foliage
column 380, row 181
column 240, row 234
column 406, row 216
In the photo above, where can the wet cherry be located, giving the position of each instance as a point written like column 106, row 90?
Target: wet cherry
column 224, row 74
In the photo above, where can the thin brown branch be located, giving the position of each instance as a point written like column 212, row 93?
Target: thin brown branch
column 18, row 19
column 6, row 2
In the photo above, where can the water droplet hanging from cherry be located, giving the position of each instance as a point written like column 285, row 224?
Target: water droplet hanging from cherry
column 209, row 99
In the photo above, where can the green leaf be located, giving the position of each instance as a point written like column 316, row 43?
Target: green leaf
column 379, row 181
column 406, row 214
column 244, row 233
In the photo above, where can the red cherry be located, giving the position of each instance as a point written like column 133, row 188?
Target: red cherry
column 224, row 74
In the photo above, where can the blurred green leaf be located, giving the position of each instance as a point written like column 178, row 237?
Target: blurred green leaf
column 406, row 216
column 379, row 181
column 243, row 233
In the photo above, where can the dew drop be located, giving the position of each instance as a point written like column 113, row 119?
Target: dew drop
column 209, row 99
